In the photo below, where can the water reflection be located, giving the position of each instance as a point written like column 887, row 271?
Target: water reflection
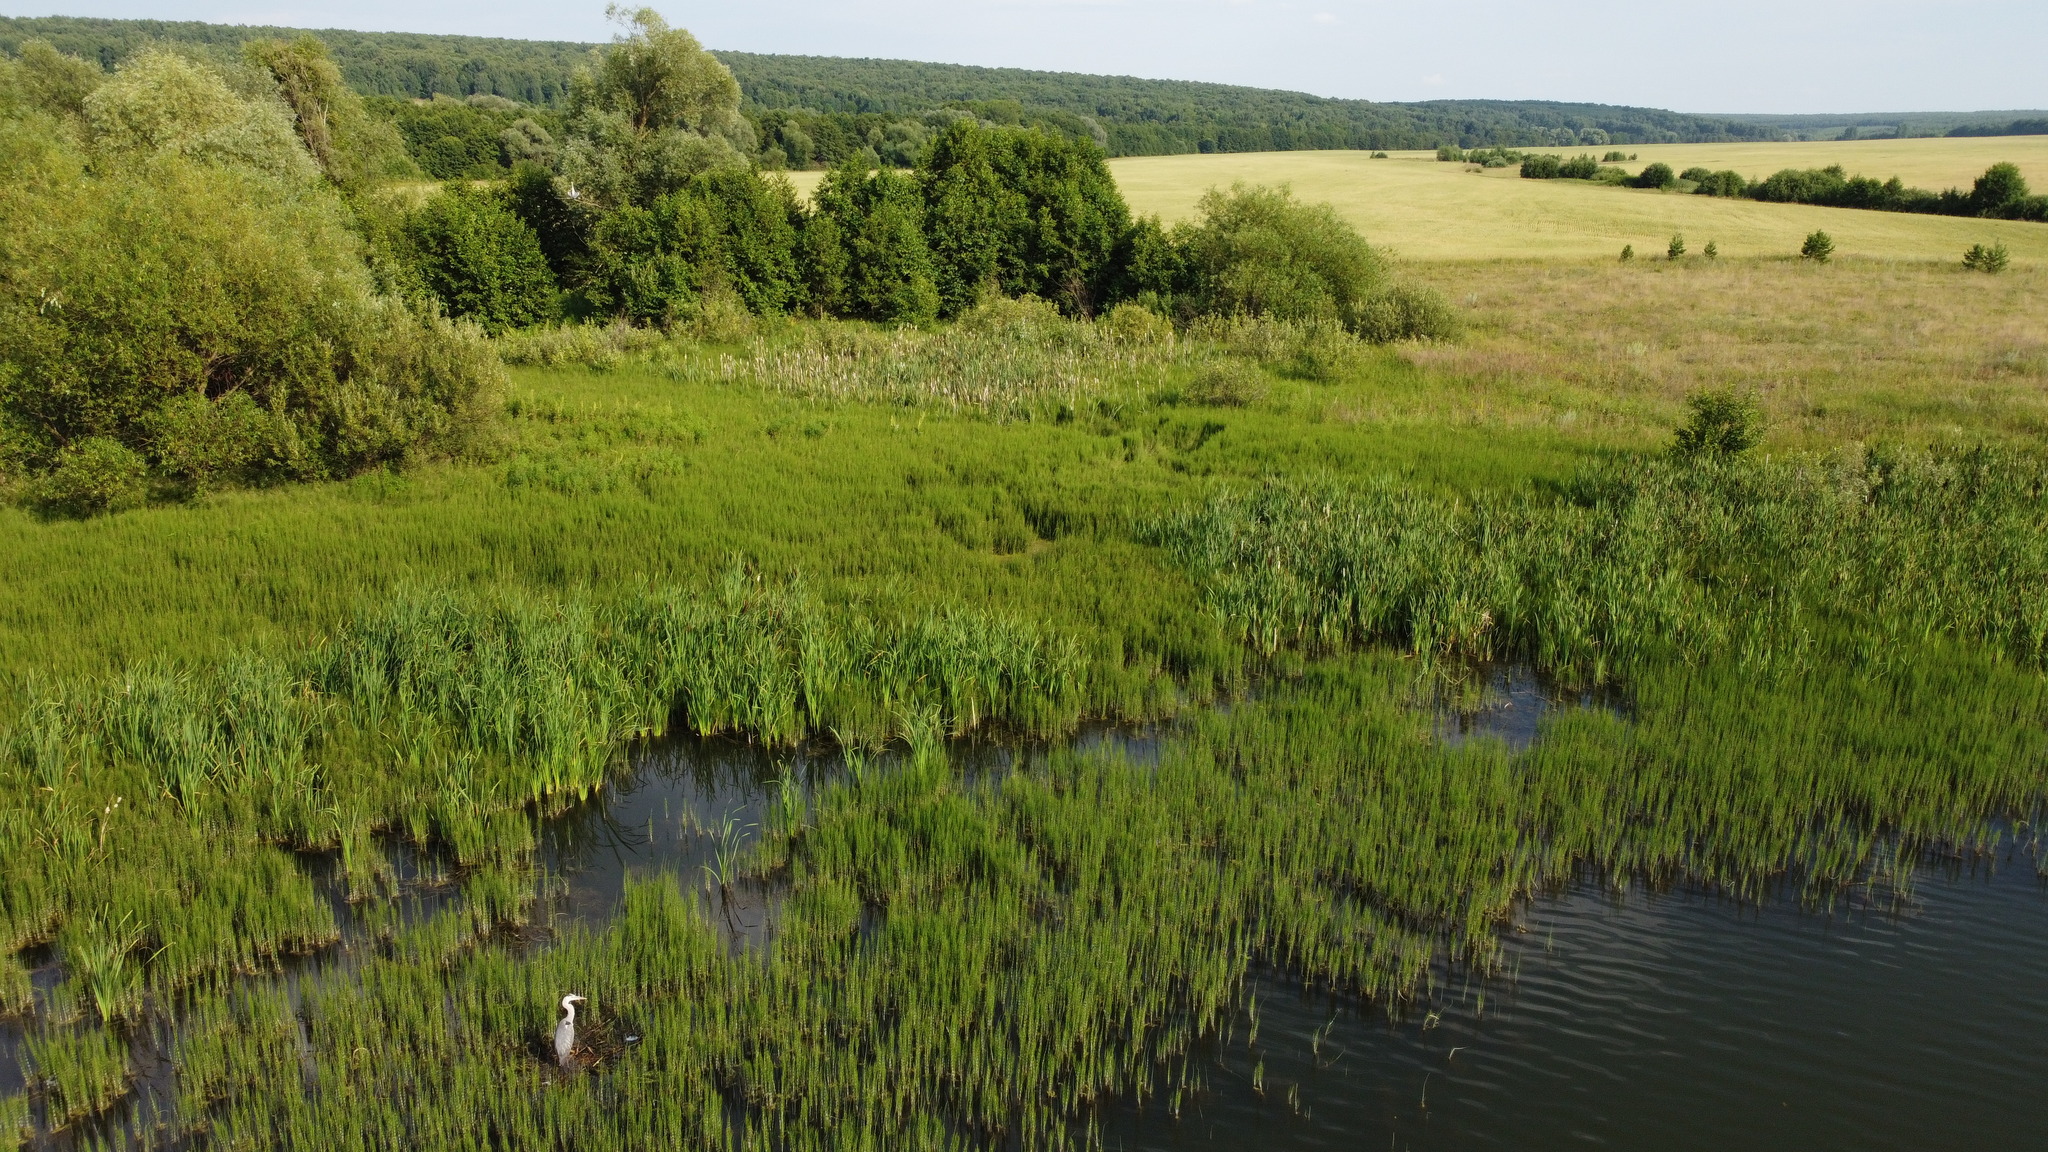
column 1508, row 703
column 686, row 799
column 1671, row 1021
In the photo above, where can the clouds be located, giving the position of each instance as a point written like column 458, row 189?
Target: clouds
column 1740, row 55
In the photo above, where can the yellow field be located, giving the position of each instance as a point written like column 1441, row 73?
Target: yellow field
column 1427, row 210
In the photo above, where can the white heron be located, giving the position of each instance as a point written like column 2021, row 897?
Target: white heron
column 565, row 1032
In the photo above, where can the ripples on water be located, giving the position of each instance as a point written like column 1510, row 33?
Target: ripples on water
column 1634, row 1020
column 1674, row 1022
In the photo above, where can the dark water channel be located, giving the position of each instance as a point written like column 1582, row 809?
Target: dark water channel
column 1627, row 1019
column 1675, row 1021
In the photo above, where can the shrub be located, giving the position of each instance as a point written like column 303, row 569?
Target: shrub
column 1712, row 250
column 1450, row 153
column 205, row 305
column 1581, row 167
column 1657, row 175
column 206, row 444
column 1695, row 174
column 1982, row 259
column 481, row 260
column 95, row 475
column 1723, row 423
column 1676, row 249
column 1135, row 324
column 1545, row 167
column 1819, row 247
column 1260, row 252
column 724, row 230
column 1617, row 157
column 1725, row 183
column 1378, row 156
column 1628, row 252
column 1399, row 312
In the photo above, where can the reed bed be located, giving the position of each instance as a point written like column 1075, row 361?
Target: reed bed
column 150, row 823
column 1642, row 562
column 1006, row 360
column 976, row 965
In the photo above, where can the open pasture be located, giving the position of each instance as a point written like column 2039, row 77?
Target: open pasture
column 1424, row 209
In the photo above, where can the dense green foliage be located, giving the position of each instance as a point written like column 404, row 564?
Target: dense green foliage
column 180, row 280
column 821, row 111
column 481, row 260
column 2001, row 193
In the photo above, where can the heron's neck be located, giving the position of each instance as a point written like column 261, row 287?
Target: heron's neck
column 570, row 1010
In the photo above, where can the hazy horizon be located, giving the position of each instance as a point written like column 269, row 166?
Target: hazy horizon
column 1797, row 57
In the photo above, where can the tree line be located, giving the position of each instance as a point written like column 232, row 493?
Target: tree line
column 844, row 106
column 2001, row 193
column 207, row 278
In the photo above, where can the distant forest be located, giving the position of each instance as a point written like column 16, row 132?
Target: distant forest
column 811, row 111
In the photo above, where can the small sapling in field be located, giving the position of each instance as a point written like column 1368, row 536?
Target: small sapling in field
column 1677, row 248
column 1982, row 259
column 1819, row 248
column 1711, row 251
column 1628, row 252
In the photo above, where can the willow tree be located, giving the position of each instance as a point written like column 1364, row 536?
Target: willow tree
column 651, row 111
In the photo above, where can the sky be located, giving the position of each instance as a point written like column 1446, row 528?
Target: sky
column 1728, row 56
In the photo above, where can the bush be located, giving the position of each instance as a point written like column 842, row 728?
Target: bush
column 1628, row 253
column 1712, row 250
column 1450, row 153
column 1544, row 167
column 95, row 475
column 1135, row 324
column 1403, row 313
column 1982, row 259
column 1723, row 423
column 1695, row 174
column 1726, row 183
column 206, row 444
column 195, row 299
column 1676, row 249
column 1260, row 252
column 1617, row 157
column 1657, row 175
column 724, row 230
column 1819, row 247
column 481, row 260
column 1581, row 167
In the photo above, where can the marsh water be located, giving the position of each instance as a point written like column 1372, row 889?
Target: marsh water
column 1625, row 1017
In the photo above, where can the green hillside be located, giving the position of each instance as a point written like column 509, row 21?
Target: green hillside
column 840, row 103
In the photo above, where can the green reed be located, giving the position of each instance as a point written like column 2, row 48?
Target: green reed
column 976, row 965
column 1642, row 562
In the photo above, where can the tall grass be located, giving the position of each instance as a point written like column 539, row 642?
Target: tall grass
column 143, row 817
column 975, row 965
column 1642, row 562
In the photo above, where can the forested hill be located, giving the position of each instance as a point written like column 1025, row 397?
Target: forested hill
column 829, row 102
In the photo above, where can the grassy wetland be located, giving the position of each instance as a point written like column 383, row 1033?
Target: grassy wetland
column 278, row 756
